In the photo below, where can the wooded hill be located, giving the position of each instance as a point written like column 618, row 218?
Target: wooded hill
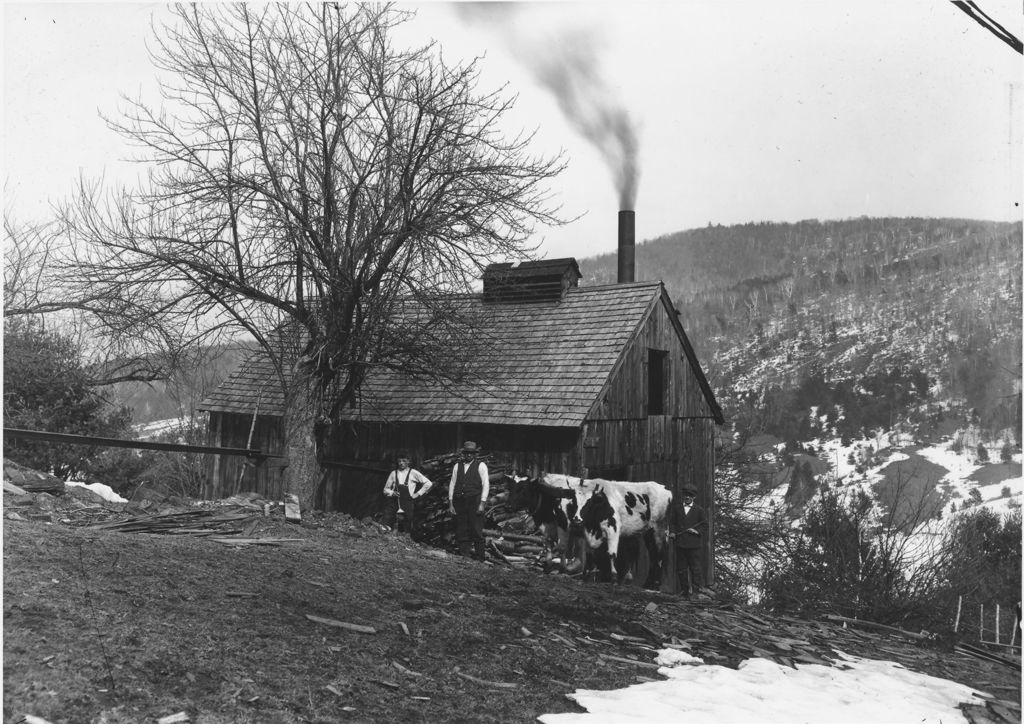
column 873, row 321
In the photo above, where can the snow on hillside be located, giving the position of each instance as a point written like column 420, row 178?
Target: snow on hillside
column 151, row 430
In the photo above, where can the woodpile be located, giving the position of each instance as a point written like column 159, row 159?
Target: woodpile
column 31, row 481
column 199, row 521
column 513, row 539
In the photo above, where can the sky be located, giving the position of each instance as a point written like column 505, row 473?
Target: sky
column 853, row 691
column 728, row 111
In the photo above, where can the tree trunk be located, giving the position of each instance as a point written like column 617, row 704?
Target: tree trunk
column 303, row 472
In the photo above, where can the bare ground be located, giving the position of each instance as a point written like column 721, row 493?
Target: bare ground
column 106, row 626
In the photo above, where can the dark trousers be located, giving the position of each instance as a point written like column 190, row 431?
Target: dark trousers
column 688, row 567
column 469, row 526
column 411, row 521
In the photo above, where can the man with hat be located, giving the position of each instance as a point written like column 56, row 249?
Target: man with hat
column 467, row 495
column 687, row 528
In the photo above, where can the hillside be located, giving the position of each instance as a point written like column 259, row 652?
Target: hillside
column 876, row 355
column 333, row 620
column 178, row 397
column 873, row 321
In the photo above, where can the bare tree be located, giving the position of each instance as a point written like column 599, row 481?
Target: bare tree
column 309, row 178
column 33, row 288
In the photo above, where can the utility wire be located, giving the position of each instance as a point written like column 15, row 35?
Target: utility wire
column 979, row 16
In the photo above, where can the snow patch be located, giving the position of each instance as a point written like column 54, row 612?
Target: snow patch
column 101, row 489
column 759, row 690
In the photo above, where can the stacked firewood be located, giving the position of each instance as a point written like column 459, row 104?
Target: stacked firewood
column 512, row 536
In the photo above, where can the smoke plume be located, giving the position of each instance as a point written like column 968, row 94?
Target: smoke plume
column 569, row 67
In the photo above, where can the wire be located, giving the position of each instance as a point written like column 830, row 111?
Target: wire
column 978, row 15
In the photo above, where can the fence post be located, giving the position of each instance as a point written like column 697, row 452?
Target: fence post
column 956, row 622
column 981, row 623
column 997, row 623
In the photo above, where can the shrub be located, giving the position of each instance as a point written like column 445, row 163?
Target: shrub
column 47, row 388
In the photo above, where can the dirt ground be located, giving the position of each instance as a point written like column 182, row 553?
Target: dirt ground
column 109, row 626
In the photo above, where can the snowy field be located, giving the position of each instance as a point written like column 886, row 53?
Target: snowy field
column 853, row 691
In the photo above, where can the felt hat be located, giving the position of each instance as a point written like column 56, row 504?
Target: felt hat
column 470, row 447
column 688, row 490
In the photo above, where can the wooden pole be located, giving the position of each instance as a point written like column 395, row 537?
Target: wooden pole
column 248, row 443
column 997, row 623
column 956, row 622
column 981, row 624
column 1013, row 637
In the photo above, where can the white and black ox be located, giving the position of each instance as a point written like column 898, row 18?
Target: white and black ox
column 551, row 502
column 612, row 513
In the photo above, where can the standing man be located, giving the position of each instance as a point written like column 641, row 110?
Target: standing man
column 687, row 528
column 467, row 495
column 404, row 486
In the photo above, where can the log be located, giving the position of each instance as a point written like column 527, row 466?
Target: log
column 515, row 537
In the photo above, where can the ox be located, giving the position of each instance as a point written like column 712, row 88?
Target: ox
column 551, row 503
column 609, row 511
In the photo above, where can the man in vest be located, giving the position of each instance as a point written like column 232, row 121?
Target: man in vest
column 687, row 526
column 467, row 495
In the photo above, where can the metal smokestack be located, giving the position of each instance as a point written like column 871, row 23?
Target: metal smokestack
column 627, row 247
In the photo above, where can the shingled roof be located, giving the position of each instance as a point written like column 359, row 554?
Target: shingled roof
column 545, row 365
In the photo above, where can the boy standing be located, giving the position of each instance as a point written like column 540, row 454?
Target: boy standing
column 403, row 488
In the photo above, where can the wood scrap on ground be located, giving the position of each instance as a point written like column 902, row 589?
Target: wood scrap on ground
column 358, row 628
column 198, row 521
column 984, row 655
column 291, row 508
column 257, row 541
column 878, row 626
column 484, row 682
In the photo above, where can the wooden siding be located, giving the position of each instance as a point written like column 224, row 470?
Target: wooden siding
column 625, row 395
column 224, row 473
column 697, row 470
column 361, row 455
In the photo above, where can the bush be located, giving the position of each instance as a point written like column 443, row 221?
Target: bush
column 47, row 388
column 980, row 560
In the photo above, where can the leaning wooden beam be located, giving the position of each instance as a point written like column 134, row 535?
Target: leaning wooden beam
column 69, row 439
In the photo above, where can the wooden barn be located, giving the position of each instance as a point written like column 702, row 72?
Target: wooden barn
column 594, row 379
